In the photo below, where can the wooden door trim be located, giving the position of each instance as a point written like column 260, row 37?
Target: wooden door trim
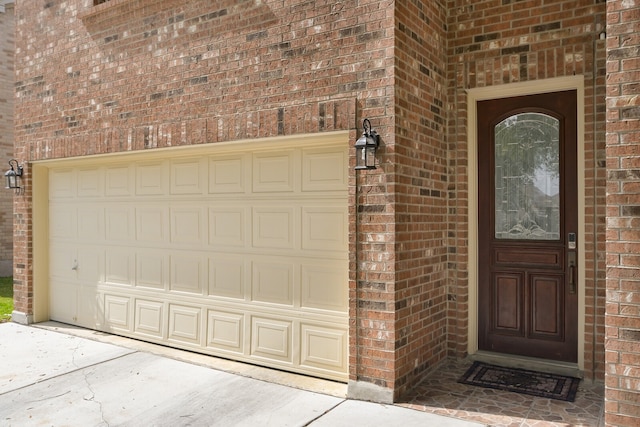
column 503, row 91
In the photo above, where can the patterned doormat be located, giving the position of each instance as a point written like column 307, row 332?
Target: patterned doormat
column 533, row 383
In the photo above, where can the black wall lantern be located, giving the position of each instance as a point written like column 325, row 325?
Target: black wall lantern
column 12, row 175
column 366, row 147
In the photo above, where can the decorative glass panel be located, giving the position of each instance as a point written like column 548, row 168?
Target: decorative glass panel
column 527, row 168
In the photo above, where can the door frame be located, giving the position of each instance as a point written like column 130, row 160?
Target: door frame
column 504, row 91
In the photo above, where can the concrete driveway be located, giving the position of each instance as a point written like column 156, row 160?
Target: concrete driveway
column 56, row 375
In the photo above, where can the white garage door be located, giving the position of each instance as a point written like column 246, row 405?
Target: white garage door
column 237, row 250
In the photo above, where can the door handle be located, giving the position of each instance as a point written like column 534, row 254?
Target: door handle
column 571, row 262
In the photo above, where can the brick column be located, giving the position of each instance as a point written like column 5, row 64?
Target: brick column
column 622, row 395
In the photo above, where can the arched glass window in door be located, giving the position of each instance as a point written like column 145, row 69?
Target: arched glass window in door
column 527, row 177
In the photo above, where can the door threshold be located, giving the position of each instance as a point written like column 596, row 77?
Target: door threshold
column 530, row 363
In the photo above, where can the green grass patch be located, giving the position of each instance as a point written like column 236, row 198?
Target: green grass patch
column 6, row 298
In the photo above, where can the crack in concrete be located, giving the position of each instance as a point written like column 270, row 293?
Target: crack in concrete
column 91, row 397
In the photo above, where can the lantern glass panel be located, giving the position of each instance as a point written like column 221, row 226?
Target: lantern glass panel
column 370, row 157
column 12, row 179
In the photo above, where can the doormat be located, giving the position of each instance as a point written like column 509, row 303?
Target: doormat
column 533, row 383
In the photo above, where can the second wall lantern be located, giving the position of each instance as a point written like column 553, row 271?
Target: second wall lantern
column 366, row 147
column 12, row 175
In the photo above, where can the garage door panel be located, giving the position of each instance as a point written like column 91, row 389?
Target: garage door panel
column 64, row 222
column 90, row 264
column 323, row 347
column 228, row 276
column 322, row 286
column 62, row 259
column 324, row 169
column 187, row 225
column 188, row 271
column 273, row 227
column 273, row 172
column 119, row 181
column 240, row 251
column 271, row 338
column 63, row 299
column 228, row 227
column 184, row 324
column 151, row 179
column 272, row 282
column 188, row 176
column 119, row 224
column 119, row 266
column 62, row 184
column 150, row 318
column 90, row 183
column 152, row 269
column 324, row 228
column 91, row 223
column 117, row 312
column 225, row 331
column 152, row 224
column 227, row 174
column 89, row 307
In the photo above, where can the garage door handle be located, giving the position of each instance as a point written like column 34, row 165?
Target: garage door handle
column 74, row 266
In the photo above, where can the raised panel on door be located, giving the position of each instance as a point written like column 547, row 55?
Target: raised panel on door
column 227, row 276
column 324, row 228
column 63, row 222
column 273, row 227
column 187, row 226
column 271, row 339
column 225, row 330
column 227, row 174
column 323, row 347
column 188, row 272
column 150, row 318
column 152, row 224
column 508, row 303
column 152, row 268
column 547, row 297
column 185, row 324
column 324, row 169
column 63, row 302
column 119, row 266
column 273, row 282
column 119, row 181
column 273, row 172
column 90, row 183
column 188, row 176
column 228, row 227
column 151, row 179
column 322, row 286
column 118, row 312
column 62, row 184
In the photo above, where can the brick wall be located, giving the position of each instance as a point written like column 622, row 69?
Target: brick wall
column 494, row 42
column 420, row 189
column 622, row 395
column 130, row 75
column 6, row 136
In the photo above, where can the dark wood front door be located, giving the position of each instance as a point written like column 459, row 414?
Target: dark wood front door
column 528, row 224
